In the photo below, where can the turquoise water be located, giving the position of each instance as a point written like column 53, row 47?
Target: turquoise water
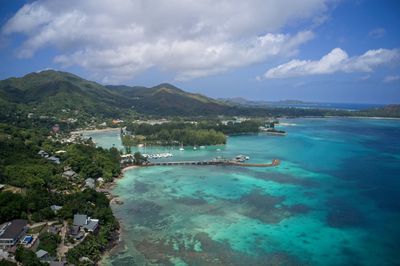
column 334, row 200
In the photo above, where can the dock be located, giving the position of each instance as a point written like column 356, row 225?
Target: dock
column 274, row 162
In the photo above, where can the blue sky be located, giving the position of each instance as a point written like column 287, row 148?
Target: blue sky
column 312, row 50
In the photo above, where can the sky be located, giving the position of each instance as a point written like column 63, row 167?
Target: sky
column 310, row 50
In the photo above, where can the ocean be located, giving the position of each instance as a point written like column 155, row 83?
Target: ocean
column 333, row 200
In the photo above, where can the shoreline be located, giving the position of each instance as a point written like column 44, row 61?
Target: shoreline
column 117, row 238
column 108, row 129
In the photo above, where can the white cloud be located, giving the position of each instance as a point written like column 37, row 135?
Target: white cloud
column 117, row 39
column 393, row 78
column 336, row 61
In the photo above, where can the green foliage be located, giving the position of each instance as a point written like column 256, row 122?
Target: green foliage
column 139, row 159
column 27, row 257
column 206, row 132
column 96, row 205
column 49, row 243
column 12, row 206
column 93, row 162
column 128, row 142
column 4, row 262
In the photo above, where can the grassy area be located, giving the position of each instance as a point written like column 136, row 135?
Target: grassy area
column 37, row 229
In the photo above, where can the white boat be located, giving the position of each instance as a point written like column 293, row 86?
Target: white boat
column 181, row 149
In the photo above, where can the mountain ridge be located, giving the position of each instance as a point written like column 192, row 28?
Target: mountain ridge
column 65, row 95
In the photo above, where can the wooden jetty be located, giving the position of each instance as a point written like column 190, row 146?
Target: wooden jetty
column 274, row 162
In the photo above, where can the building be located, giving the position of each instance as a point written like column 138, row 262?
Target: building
column 53, row 229
column 11, row 232
column 55, row 208
column 70, row 174
column 42, row 255
column 54, row 159
column 75, row 232
column 86, row 222
column 90, row 183
column 43, row 154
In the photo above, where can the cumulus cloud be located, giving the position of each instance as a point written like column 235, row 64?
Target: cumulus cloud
column 336, row 61
column 119, row 39
column 393, row 78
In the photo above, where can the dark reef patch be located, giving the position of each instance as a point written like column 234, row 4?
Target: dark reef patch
column 262, row 207
column 287, row 179
column 147, row 213
column 190, row 201
column 213, row 253
column 298, row 208
column 343, row 214
column 140, row 187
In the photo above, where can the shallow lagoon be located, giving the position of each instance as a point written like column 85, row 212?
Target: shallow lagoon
column 334, row 200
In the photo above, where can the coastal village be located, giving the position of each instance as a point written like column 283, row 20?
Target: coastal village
column 68, row 233
column 51, row 240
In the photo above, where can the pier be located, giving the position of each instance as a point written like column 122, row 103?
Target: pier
column 274, row 162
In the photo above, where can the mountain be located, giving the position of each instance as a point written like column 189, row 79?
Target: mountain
column 64, row 95
column 60, row 94
column 168, row 99
column 53, row 92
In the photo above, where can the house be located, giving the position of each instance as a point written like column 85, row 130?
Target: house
column 11, row 232
column 42, row 255
column 86, row 222
column 54, row 159
column 54, row 229
column 75, row 232
column 55, row 208
column 70, row 174
column 43, row 154
column 91, row 225
column 80, row 219
column 90, row 183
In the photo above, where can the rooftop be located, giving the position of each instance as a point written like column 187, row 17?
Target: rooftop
column 41, row 253
column 12, row 229
column 80, row 219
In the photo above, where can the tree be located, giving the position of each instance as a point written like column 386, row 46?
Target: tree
column 27, row 257
column 139, row 158
column 128, row 142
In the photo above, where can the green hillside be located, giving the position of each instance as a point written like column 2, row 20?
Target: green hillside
column 168, row 99
column 60, row 93
column 64, row 96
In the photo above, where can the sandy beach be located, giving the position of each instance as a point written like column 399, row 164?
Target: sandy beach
column 108, row 129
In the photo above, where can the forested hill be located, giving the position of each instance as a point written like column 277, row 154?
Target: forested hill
column 57, row 93
column 66, row 96
column 168, row 99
